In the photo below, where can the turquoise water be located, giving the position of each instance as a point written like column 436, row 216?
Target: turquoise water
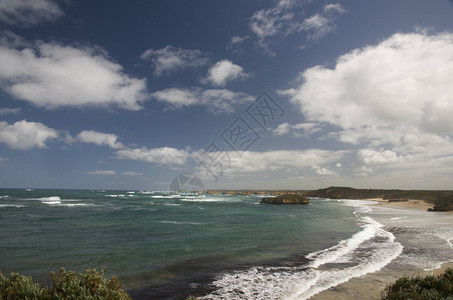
column 164, row 245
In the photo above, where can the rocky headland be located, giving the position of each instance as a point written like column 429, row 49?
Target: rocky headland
column 286, row 199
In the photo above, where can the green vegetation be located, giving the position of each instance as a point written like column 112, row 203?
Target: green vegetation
column 442, row 200
column 421, row 288
column 65, row 285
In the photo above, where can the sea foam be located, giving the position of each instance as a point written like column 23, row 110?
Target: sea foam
column 365, row 252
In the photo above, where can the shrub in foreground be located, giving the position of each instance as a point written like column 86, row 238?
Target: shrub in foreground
column 65, row 285
column 421, row 288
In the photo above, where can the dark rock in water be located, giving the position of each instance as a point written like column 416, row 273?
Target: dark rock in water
column 286, row 199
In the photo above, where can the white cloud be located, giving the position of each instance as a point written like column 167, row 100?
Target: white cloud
column 318, row 26
column 162, row 156
column 171, row 59
column 28, row 12
column 334, row 8
column 235, row 44
column 99, row 138
column 216, row 100
column 9, row 111
column 238, row 39
column 396, row 95
column 339, row 165
column 101, row 172
column 374, row 157
column 132, row 173
column 284, row 18
column 25, row 135
column 363, row 171
column 275, row 160
column 224, row 71
column 297, row 130
column 50, row 75
column 324, row 172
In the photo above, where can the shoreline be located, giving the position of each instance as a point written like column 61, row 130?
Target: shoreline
column 371, row 285
column 410, row 203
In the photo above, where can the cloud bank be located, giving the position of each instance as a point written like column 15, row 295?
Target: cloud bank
column 394, row 99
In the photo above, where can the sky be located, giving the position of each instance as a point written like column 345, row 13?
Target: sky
column 245, row 94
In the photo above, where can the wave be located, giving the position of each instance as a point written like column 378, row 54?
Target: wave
column 166, row 197
column 186, row 199
column 4, row 197
column 12, row 205
column 53, row 198
column 180, row 223
column 365, row 252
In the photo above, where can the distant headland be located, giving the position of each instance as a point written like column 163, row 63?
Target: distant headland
column 441, row 199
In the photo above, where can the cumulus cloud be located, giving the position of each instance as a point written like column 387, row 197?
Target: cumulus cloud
column 224, row 71
column 216, row 100
column 99, row 138
column 27, row 13
column 297, row 130
column 162, row 156
column 322, row 171
column 396, row 95
column 51, row 75
column 170, row 59
column 24, row 135
column 284, row 18
column 375, row 157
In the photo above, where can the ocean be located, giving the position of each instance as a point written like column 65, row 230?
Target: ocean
column 165, row 245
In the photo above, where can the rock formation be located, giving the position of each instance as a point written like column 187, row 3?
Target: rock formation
column 286, row 199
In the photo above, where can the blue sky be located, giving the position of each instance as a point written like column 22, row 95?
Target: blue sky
column 129, row 94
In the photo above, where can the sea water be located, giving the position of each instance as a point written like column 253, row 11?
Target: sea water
column 165, row 245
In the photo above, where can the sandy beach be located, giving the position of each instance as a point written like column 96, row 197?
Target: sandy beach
column 370, row 286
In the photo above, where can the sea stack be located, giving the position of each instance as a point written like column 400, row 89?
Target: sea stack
column 286, row 199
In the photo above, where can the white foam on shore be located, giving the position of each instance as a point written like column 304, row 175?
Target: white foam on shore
column 373, row 236
column 365, row 252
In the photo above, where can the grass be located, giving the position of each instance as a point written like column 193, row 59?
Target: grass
column 421, row 288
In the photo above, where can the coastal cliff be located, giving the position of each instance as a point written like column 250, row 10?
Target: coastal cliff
column 286, row 199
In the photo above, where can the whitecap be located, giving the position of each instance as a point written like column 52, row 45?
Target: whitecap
column 12, row 205
column 210, row 200
column 53, row 198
